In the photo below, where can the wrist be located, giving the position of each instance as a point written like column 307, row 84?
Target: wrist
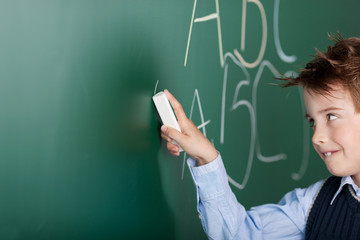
column 207, row 158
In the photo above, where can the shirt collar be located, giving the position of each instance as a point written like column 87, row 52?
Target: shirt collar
column 344, row 181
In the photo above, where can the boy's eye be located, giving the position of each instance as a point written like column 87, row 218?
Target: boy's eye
column 332, row 117
column 312, row 123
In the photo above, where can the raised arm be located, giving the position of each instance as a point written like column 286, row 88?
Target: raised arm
column 222, row 216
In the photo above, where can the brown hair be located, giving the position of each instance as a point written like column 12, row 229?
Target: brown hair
column 340, row 64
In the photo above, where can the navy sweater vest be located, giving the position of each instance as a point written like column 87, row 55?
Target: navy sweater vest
column 341, row 220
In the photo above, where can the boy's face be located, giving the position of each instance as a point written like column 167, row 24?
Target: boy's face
column 336, row 128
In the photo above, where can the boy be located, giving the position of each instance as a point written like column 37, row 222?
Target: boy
column 328, row 209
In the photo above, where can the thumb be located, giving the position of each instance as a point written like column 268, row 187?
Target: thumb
column 173, row 134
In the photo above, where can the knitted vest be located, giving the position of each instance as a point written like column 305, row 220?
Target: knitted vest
column 341, row 220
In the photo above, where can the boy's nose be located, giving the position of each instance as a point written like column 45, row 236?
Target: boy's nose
column 319, row 136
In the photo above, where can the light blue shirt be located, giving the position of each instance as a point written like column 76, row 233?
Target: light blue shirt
column 223, row 217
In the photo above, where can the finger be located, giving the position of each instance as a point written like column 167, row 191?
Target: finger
column 179, row 112
column 173, row 148
column 166, row 138
column 175, row 153
column 173, row 134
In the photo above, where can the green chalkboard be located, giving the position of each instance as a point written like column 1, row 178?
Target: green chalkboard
column 80, row 152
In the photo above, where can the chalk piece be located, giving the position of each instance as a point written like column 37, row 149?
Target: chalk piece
column 166, row 113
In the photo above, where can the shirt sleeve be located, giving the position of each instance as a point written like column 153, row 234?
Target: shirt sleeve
column 223, row 217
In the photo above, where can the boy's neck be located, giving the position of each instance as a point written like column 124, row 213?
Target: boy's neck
column 356, row 180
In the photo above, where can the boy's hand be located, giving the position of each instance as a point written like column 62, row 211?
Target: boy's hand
column 191, row 139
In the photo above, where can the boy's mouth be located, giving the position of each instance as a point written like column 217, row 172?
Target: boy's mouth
column 328, row 154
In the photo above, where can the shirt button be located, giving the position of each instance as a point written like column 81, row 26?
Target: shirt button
column 199, row 216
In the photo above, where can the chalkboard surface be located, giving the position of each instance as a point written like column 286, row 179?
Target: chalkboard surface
column 80, row 153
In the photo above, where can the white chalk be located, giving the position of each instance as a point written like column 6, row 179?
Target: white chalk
column 166, row 113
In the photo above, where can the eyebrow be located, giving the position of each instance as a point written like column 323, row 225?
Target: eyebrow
column 307, row 116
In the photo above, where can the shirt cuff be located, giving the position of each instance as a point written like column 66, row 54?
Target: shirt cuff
column 204, row 169
column 210, row 179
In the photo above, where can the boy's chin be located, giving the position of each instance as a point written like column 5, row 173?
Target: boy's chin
column 336, row 170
